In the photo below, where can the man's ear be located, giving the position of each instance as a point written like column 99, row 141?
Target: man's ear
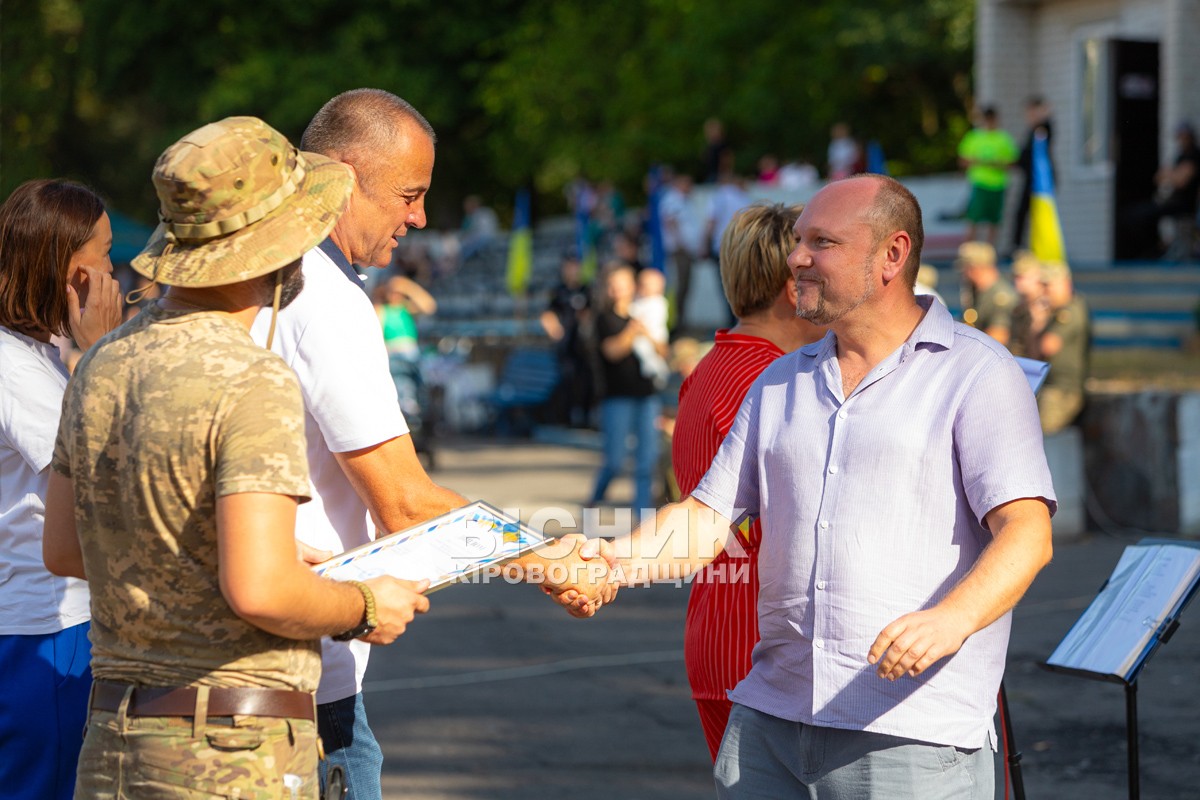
column 895, row 255
column 353, row 173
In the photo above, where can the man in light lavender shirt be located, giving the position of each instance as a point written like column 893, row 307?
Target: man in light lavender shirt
column 898, row 470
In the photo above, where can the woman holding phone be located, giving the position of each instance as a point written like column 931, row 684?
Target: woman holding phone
column 55, row 279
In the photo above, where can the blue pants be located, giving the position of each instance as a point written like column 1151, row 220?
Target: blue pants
column 348, row 741
column 765, row 758
column 43, row 708
column 620, row 418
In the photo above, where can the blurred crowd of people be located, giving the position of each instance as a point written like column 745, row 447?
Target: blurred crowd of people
column 1037, row 316
column 618, row 318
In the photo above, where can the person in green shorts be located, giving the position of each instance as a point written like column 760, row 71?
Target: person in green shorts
column 986, row 152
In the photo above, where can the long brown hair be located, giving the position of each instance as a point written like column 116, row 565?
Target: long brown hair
column 42, row 224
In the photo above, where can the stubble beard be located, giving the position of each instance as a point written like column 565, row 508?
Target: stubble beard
column 293, row 284
column 824, row 314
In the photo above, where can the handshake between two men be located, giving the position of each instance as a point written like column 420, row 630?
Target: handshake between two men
column 575, row 571
column 581, row 574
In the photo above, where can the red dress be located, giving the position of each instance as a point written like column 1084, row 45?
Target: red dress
column 722, row 616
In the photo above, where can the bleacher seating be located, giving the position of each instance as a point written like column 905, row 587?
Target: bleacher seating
column 526, row 383
column 1145, row 305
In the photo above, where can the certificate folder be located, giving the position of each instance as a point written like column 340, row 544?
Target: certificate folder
column 1135, row 611
column 447, row 549
column 1035, row 372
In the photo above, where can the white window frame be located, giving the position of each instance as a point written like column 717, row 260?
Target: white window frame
column 1097, row 36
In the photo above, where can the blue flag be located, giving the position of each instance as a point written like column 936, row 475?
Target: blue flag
column 658, row 253
column 876, row 163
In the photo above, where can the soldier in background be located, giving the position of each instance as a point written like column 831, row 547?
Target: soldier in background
column 1027, row 280
column 988, row 299
column 1061, row 334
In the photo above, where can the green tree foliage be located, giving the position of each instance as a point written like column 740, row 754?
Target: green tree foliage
column 605, row 87
column 98, row 89
column 520, row 91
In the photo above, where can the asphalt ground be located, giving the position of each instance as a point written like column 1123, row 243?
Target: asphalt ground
column 497, row 693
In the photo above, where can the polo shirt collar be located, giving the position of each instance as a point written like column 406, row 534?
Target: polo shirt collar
column 334, row 254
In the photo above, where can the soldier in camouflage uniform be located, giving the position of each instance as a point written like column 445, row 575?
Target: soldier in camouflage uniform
column 988, row 299
column 1062, row 336
column 1027, row 280
column 178, row 468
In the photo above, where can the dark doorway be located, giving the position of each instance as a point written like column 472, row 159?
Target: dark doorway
column 1135, row 92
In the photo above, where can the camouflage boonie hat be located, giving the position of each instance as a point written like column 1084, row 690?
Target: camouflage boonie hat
column 972, row 254
column 237, row 201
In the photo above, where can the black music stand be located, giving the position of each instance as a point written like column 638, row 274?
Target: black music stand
column 1136, row 611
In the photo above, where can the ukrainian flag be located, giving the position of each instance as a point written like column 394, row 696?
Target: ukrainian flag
column 584, row 199
column 1045, row 230
column 520, row 248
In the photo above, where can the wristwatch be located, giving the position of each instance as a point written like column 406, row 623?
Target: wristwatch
column 369, row 622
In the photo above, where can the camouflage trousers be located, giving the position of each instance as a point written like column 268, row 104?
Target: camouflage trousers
column 251, row 758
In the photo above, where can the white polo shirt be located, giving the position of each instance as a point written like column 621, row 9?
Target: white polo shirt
column 331, row 336
column 32, row 382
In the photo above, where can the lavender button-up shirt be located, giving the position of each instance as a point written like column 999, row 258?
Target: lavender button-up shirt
column 872, row 507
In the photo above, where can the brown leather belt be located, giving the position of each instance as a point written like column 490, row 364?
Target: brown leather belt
column 153, row 701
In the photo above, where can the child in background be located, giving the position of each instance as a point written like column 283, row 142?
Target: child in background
column 650, row 309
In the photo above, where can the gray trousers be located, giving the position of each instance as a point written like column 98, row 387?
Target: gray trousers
column 770, row 758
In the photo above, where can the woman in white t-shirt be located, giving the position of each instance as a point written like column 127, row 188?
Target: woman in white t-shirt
column 55, row 280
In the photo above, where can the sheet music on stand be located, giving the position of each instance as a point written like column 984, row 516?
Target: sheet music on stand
column 1133, row 613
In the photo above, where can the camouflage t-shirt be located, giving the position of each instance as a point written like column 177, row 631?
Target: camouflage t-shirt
column 168, row 413
column 1068, row 367
column 991, row 307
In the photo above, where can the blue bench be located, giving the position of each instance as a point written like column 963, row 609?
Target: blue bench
column 1146, row 306
column 527, row 382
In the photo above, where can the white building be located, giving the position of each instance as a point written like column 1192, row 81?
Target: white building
column 1119, row 74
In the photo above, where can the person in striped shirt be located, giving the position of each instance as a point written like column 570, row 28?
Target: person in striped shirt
column 722, row 623
column 898, row 470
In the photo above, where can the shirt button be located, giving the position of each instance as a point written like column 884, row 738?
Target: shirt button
column 824, row 524
column 833, row 470
column 820, row 643
column 820, row 584
column 841, row 415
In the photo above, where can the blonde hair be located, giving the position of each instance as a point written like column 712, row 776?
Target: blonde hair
column 754, row 251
